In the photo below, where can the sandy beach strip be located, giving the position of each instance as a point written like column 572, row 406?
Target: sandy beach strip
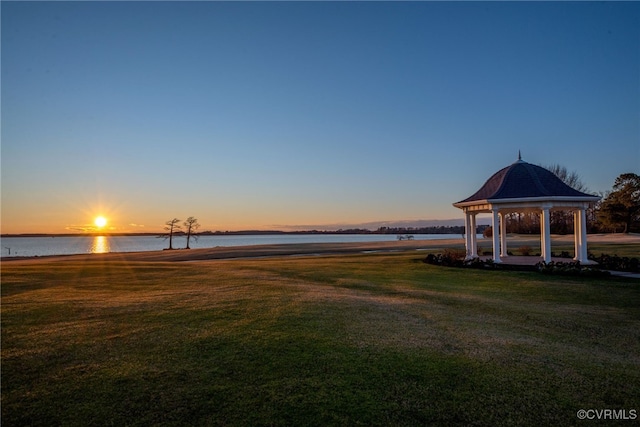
column 254, row 251
column 311, row 249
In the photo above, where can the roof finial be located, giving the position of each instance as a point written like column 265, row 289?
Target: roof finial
column 519, row 155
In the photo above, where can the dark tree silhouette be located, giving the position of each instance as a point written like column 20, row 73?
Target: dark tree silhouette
column 191, row 225
column 170, row 227
column 621, row 207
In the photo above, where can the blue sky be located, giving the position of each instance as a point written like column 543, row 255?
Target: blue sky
column 294, row 114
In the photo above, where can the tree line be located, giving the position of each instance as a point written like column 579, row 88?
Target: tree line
column 453, row 229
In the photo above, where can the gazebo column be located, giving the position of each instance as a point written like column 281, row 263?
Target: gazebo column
column 580, row 232
column 467, row 234
column 545, row 235
column 576, row 235
column 474, row 238
column 503, row 236
column 495, row 225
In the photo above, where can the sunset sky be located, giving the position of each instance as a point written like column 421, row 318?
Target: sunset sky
column 303, row 114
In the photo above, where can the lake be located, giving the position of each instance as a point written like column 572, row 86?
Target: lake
column 68, row 245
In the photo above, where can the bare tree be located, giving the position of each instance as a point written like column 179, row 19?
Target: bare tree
column 191, row 224
column 572, row 179
column 170, row 227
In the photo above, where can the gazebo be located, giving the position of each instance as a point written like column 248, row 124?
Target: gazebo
column 523, row 187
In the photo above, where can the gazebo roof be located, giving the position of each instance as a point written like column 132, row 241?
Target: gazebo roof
column 522, row 180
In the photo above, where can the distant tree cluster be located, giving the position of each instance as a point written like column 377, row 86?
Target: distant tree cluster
column 172, row 228
column 382, row 230
column 455, row 229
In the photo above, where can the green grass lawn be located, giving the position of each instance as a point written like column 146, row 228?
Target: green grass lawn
column 378, row 339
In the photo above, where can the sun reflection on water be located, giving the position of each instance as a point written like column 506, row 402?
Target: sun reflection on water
column 100, row 245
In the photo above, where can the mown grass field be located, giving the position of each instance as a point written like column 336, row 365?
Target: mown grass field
column 376, row 339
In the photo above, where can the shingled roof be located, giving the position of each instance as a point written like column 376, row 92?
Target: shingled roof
column 524, row 180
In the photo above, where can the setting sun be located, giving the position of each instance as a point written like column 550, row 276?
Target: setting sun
column 100, row 221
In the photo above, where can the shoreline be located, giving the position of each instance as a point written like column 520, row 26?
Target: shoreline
column 395, row 231
column 251, row 251
column 308, row 249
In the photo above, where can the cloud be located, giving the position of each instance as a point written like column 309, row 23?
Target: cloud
column 82, row 228
column 88, row 228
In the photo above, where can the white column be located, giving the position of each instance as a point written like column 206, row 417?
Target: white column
column 576, row 235
column 467, row 236
column 474, row 238
column 583, row 237
column 545, row 235
column 503, row 236
column 495, row 225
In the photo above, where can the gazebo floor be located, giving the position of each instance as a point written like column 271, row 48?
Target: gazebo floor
column 524, row 260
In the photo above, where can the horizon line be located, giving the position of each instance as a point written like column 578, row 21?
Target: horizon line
column 274, row 228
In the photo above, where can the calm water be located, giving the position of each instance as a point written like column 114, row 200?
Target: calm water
column 41, row 246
